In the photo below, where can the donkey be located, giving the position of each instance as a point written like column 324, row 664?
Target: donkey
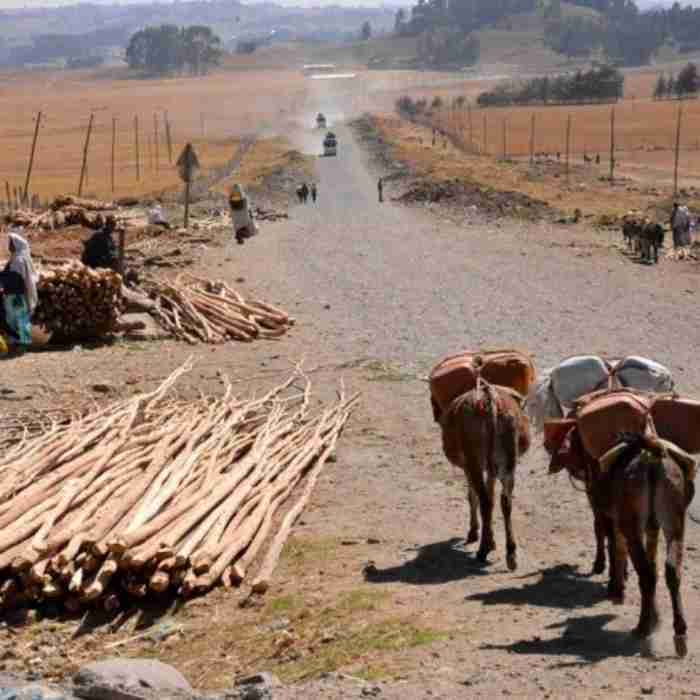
column 651, row 239
column 484, row 432
column 645, row 485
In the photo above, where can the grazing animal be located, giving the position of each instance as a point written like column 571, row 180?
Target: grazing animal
column 651, row 239
column 484, row 432
column 645, row 485
column 632, row 231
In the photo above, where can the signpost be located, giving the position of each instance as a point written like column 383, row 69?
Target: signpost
column 187, row 166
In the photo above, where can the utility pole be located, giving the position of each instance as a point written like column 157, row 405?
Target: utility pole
column 568, row 145
column 612, row 145
column 678, row 148
column 114, row 145
column 136, row 144
column 85, row 155
column 31, row 156
column 532, row 140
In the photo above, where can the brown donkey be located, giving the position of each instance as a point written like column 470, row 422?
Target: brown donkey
column 644, row 485
column 484, row 432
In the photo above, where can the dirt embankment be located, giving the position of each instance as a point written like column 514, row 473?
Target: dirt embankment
column 547, row 187
column 443, row 179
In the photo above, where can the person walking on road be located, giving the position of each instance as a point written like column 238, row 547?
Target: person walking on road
column 380, row 189
column 680, row 226
column 304, row 193
column 314, row 193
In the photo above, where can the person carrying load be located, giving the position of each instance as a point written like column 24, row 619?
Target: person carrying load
column 241, row 215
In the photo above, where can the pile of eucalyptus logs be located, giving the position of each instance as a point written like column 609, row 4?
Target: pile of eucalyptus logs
column 199, row 310
column 155, row 495
column 63, row 211
column 77, row 302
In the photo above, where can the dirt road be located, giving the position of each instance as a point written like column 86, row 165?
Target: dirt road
column 387, row 291
column 381, row 292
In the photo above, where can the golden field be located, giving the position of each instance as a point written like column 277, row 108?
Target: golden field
column 212, row 112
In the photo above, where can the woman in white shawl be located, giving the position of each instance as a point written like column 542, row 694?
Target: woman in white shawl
column 20, row 303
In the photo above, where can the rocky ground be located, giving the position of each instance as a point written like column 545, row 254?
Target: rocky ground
column 376, row 582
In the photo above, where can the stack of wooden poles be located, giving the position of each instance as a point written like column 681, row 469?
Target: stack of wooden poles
column 200, row 310
column 155, row 495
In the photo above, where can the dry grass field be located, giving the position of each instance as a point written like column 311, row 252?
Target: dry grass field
column 211, row 112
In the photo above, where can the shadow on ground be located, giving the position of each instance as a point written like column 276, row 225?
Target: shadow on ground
column 561, row 586
column 440, row 562
column 585, row 638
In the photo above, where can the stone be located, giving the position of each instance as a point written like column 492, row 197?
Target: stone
column 103, row 388
column 149, row 329
column 129, row 679
column 256, row 687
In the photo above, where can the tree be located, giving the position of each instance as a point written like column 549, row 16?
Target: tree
column 169, row 49
column 688, row 81
column 366, row 31
column 660, row 89
column 400, row 22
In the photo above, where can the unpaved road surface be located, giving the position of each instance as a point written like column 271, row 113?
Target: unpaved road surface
column 381, row 292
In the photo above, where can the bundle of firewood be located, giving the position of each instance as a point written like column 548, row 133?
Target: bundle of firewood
column 64, row 211
column 78, row 302
column 195, row 310
column 155, row 494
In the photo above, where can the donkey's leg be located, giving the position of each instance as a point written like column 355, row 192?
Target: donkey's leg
column 670, row 508
column 485, row 492
column 473, row 534
column 617, row 556
column 649, row 615
column 600, row 530
column 508, row 486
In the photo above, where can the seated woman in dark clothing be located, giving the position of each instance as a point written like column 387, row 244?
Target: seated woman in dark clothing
column 100, row 249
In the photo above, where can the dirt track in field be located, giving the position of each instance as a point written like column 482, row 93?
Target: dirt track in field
column 381, row 292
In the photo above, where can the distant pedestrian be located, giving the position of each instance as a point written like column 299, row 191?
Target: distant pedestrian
column 300, row 194
column 597, row 158
column 380, row 189
column 314, row 193
column 304, row 193
column 680, row 226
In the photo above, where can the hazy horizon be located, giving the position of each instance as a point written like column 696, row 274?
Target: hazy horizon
column 37, row 4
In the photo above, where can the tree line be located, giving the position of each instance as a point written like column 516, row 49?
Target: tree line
column 687, row 84
column 604, row 84
column 616, row 30
column 170, row 49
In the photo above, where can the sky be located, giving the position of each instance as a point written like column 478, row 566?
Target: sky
column 13, row 4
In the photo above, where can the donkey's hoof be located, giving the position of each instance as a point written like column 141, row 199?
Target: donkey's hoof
column 472, row 536
column 646, row 647
column 681, row 642
column 599, row 566
column 512, row 561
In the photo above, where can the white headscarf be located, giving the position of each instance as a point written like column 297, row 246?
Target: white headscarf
column 21, row 262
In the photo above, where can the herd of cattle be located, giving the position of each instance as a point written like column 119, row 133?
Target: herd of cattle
column 616, row 426
column 644, row 237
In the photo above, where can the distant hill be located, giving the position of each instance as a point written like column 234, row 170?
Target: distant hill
column 45, row 35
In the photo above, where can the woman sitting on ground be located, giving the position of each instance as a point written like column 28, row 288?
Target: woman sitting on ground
column 18, row 281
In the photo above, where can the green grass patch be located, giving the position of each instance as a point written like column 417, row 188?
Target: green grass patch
column 362, row 599
column 298, row 552
column 285, row 604
column 356, row 643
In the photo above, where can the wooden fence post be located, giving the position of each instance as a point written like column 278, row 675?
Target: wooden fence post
column 471, row 128
column 136, row 146
column 85, row 155
column 568, row 146
column 505, row 136
column 485, row 139
column 31, row 157
column 169, row 138
column 114, row 145
column 532, row 139
column 156, row 150
column 678, row 148
column 612, row 145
